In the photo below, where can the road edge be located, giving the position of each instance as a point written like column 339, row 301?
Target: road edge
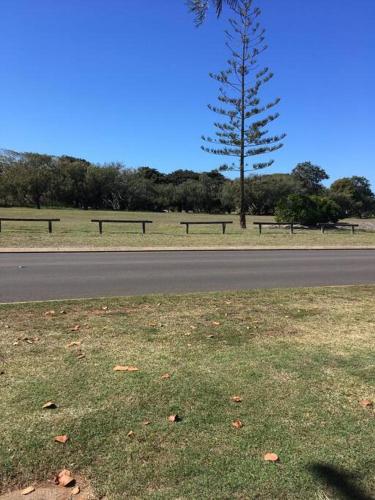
column 16, row 250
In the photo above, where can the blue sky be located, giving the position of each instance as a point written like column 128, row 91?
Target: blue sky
column 127, row 80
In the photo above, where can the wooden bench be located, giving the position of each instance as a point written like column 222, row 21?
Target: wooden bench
column 223, row 224
column 27, row 219
column 290, row 224
column 121, row 221
column 328, row 225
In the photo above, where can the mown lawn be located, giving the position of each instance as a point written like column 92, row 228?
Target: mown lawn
column 76, row 230
column 301, row 360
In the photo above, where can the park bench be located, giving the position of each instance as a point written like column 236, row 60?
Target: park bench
column 121, row 221
column 327, row 225
column 223, row 224
column 27, row 219
column 290, row 224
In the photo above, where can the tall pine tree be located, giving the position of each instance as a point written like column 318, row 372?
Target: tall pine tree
column 244, row 132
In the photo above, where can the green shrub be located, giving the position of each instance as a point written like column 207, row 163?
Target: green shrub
column 307, row 210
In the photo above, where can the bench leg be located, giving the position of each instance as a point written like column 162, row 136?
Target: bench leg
column 353, row 229
column 187, row 228
column 50, row 226
column 323, row 229
column 0, row 226
column 143, row 227
column 224, row 227
column 291, row 229
column 260, row 229
column 100, row 227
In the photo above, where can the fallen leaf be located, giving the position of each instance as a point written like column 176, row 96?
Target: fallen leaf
column 120, row 368
column 61, row 439
column 174, row 418
column 64, row 478
column 81, row 355
column 193, row 327
column 366, row 403
column 75, row 343
column 75, row 328
column 166, row 376
column 216, row 323
column 237, row 424
column 210, row 336
column 16, row 343
column 271, row 457
column 62, row 311
column 75, row 491
column 28, row 490
column 105, row 308
column 130, row 434
column 146, row 422
column 236, row 399
column 50, row 405
column 50, row 313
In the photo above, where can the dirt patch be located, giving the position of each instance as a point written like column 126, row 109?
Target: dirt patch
column 48, row 491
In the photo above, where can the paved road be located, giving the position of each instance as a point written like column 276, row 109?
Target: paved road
column 25, row 277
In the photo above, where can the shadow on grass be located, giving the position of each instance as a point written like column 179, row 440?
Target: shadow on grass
column 341, row 483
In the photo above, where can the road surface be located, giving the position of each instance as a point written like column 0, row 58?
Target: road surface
column 26, row 277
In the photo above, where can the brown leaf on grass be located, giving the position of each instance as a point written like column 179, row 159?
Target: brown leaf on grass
column 105, row 308
column 81, row 355
column 61, row 439
column 75, row 491
column 193, row 327
column 50, row 405
column 28, row 490
column 62, row 311
column 210, row 336
column 65, row 478
column 237, row 424
column 120, row 368
column 216, row 323
column 236, row 399
column 166, row 376
column 75, row 328
column 366, row 403
column 174, row 418
column 76, row 343
column 50, row 313
column 146, row 422
column 130, row 434
column 271, row 457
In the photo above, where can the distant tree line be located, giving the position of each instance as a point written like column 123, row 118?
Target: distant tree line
column 31, row 179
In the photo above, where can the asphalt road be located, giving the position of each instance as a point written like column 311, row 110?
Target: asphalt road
column 25, row 277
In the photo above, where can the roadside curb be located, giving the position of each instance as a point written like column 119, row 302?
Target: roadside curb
column 174, row 249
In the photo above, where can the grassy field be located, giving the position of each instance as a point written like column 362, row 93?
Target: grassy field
column 76, row 230
column 301, row 360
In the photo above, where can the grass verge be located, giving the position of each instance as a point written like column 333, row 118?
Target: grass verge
column 301, row 360
column 76, row 230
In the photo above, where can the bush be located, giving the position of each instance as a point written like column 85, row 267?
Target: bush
column 307, row 210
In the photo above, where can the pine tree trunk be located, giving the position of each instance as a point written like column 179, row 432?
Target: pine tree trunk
column 242, row 157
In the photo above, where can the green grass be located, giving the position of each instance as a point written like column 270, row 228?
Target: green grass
column 300, row 359
column 76, row 230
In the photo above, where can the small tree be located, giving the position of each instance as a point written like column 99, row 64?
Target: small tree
column 310, row 176
column 244, row 134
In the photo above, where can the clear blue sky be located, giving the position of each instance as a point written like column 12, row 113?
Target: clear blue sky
column 127, row 80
